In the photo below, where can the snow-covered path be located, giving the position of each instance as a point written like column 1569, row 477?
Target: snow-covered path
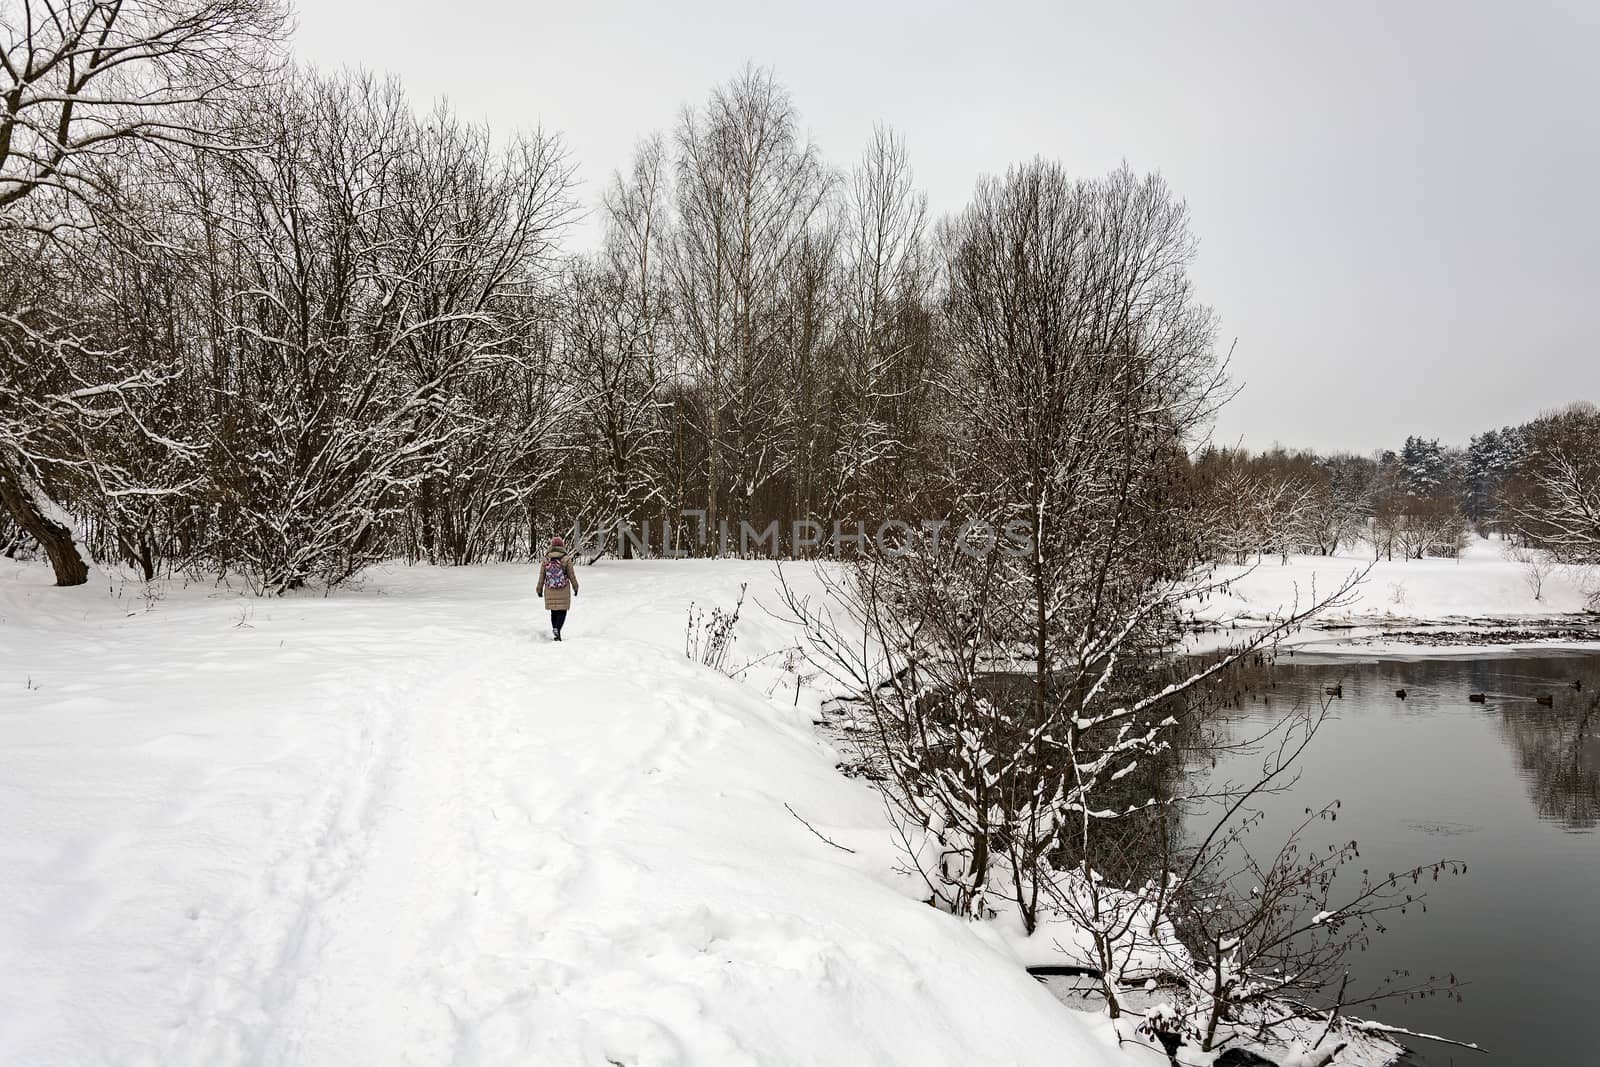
column 401, row 826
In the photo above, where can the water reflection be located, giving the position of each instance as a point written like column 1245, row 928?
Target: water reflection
column 1547, row 709
column 1559, row 753
column 1506, row 783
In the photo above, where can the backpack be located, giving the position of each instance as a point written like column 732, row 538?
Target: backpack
column 555, row 574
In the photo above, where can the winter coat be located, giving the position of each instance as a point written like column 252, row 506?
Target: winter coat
column 558, row 599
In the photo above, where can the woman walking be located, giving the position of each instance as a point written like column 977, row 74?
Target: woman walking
column 557, row 584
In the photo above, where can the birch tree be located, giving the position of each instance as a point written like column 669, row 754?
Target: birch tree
column 748, row 188
column 887, row 277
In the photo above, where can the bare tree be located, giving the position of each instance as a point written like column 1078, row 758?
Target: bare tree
column 1555, row 501
column 886, row 272
column 81, row 82
column 1086, row 362
column 748, row 189
column 1277, row 501
column 1537, row 566
column 1083, row 363
column 381, row 279
column 1229, row 492
column 637, row 236
column 470, row 275
column 82, row 78
column 607, row 332
column 1429, row 525
column 1345, row 506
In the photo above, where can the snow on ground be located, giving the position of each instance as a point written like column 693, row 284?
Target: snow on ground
column 399, row 826
column 1481, row 585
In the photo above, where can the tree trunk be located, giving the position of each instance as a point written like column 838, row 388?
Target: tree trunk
column 140, row 553
column 21, row 498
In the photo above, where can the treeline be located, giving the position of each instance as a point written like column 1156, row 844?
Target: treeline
column 1537, row 483
column 265, row 321
column 268, row 321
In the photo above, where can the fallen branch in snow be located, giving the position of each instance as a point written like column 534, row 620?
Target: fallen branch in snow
column 820, row 836
column 1383, row 1028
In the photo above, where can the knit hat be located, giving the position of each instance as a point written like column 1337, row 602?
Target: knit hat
column 556, row 542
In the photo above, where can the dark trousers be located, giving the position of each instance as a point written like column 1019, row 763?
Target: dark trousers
column 557, row 618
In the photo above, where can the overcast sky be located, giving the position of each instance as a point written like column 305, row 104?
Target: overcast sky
column 1398, row 203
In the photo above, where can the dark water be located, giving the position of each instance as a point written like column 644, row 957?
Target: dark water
column 1507, row 786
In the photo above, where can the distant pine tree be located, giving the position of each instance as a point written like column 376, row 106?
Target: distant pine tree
column 1426, row 466
column 1492, row 457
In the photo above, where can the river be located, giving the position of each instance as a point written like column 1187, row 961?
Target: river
column 1509, row 787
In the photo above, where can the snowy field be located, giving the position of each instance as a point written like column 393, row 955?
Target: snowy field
column 398, row 826
column 1480, row 588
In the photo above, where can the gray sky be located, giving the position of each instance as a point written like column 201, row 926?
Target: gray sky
column 1398, row 203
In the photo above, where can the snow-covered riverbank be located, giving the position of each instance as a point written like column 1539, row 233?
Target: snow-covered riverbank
column 396, row 825
column 1413, row 606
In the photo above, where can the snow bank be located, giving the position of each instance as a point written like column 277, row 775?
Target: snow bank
column 399, row 826
column 1480, row 584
